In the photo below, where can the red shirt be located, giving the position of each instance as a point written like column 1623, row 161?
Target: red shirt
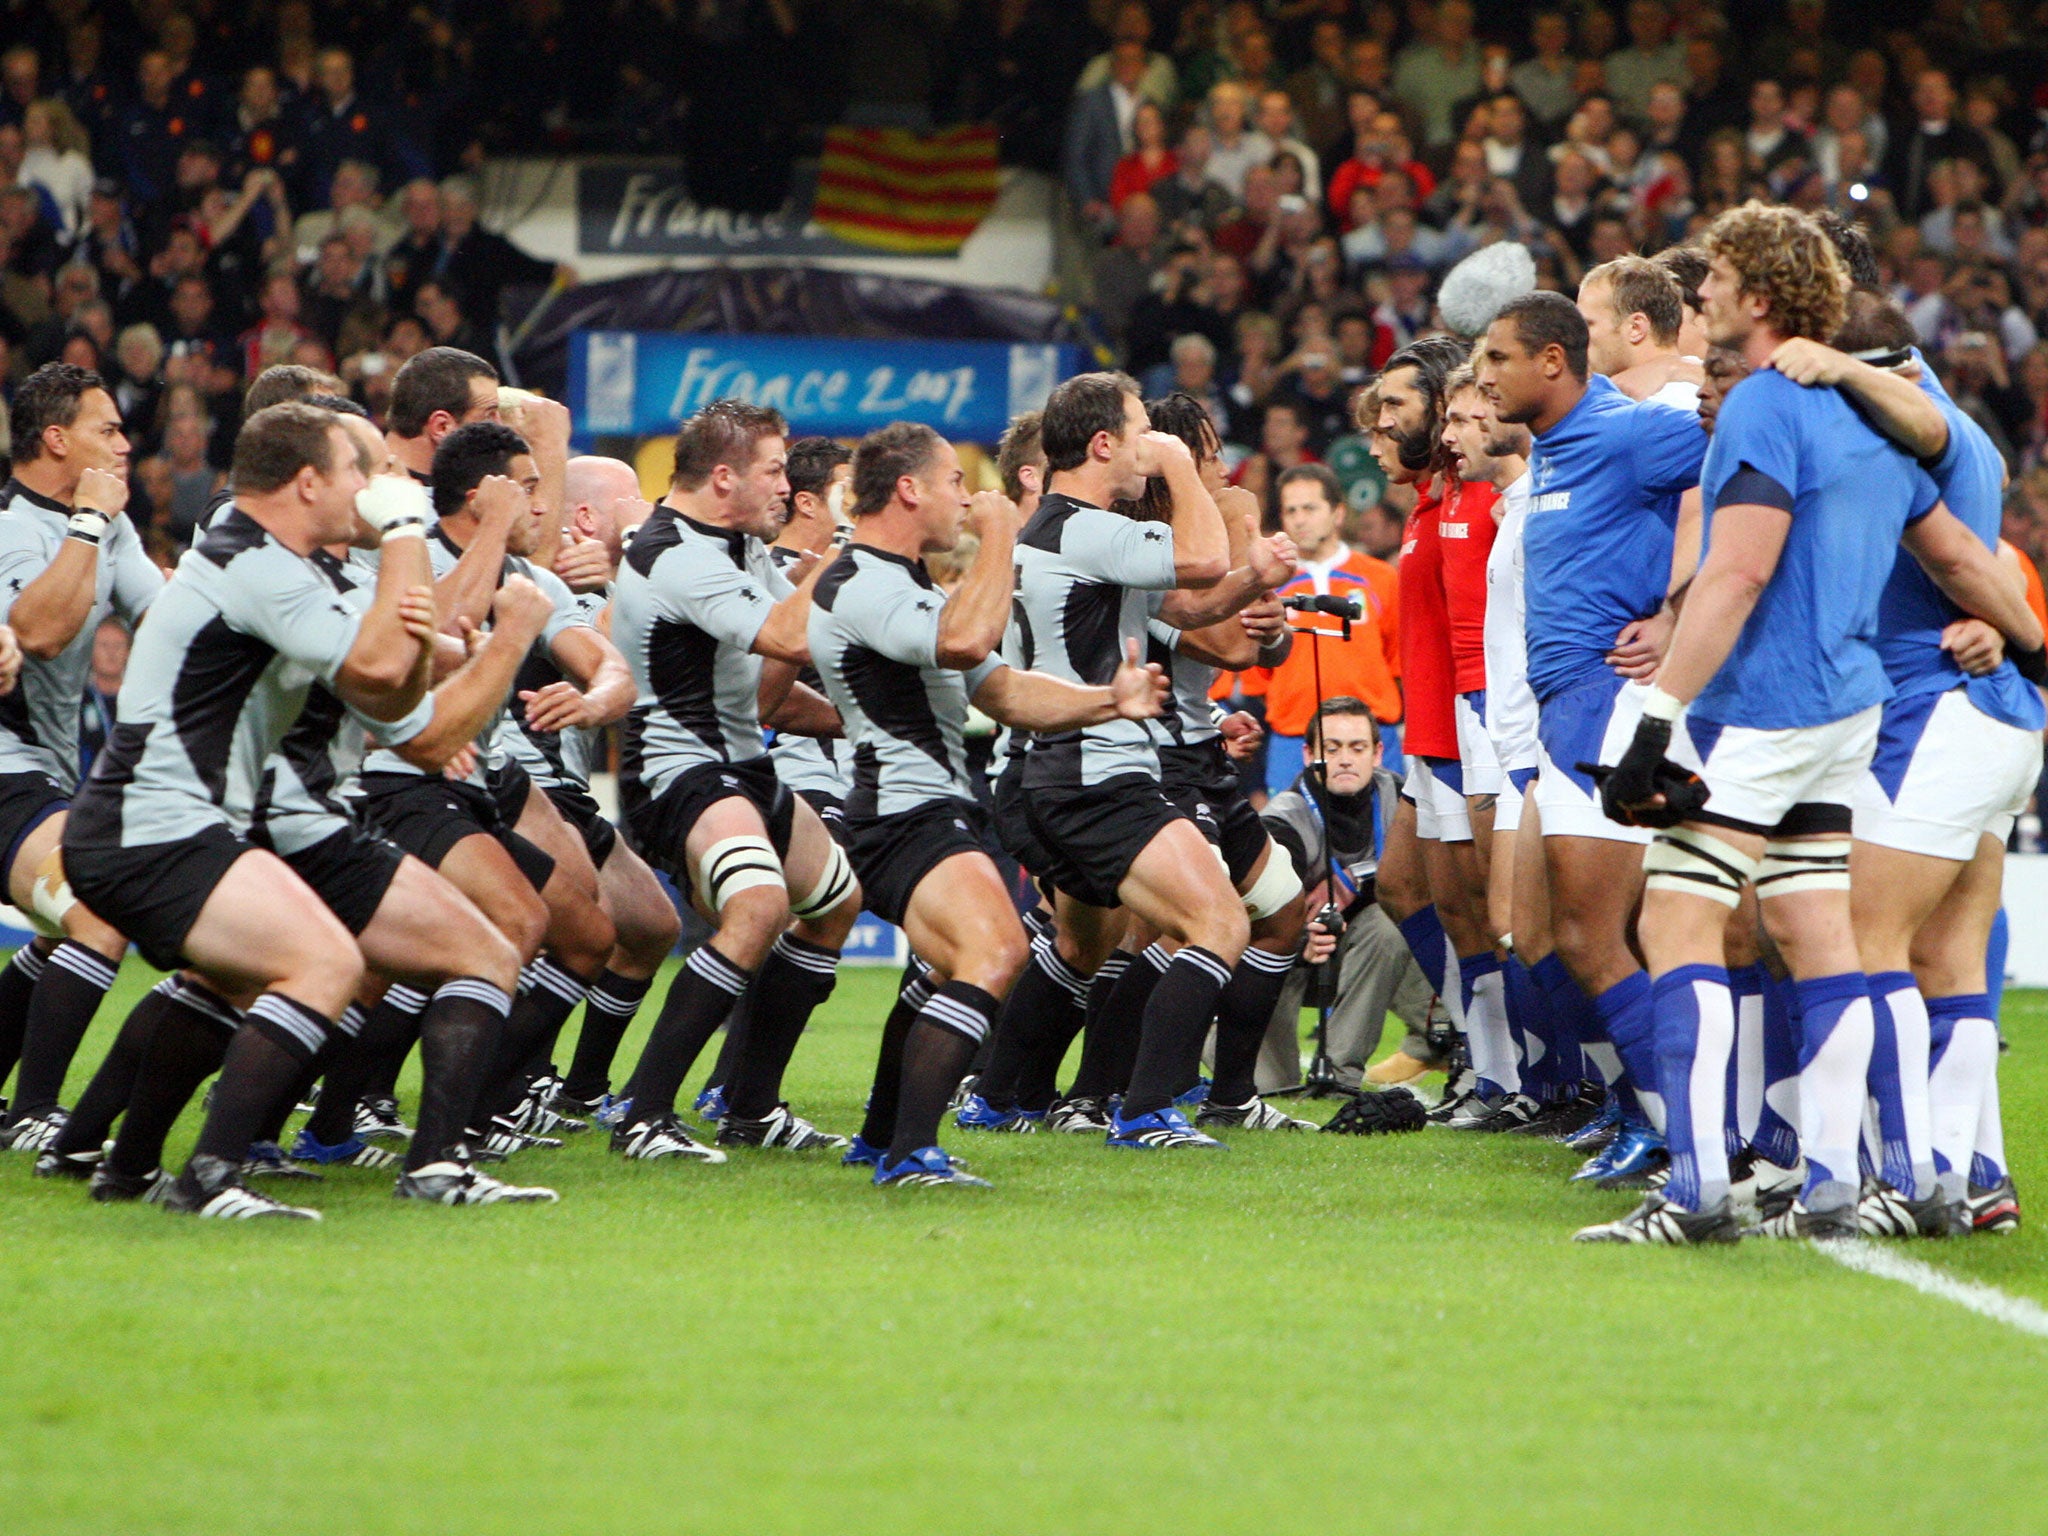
column 1465, row 526
column 1133, row 176
column 1426, row 667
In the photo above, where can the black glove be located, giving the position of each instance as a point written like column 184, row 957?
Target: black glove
column 2032, row 665
column 1644, row 772
column 1378, row 1114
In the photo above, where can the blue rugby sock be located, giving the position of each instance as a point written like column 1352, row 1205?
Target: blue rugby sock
column 1694, row 1011
column 1836, row 1029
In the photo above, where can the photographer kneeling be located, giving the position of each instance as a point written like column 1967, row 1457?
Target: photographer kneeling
column 1366, row 968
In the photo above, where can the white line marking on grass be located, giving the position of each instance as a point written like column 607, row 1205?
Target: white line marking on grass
column 1984, row 1300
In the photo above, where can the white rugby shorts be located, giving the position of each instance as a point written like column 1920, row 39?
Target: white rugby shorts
column 1755, row 777
column 1944, row 775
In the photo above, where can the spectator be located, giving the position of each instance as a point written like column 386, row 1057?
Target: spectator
column 1317, row 88
column 1652, row 56
column 1234, row 146
column 1150, row 160
column 1158, row 81
column 1511, row 154
column 1772, row 139
column 110, row 644
column 138, row 380
column 337, row 124
column 447, row 323
column 1440, row 68
column 1713, row 100
column 334, row 287
column 262, row 138
column 1123, row 272
column 1276, row 122
column 1544, row 80
column 477, row 264
column 193, row 479
column 278, row 330
column 1379, row 147
column 1283, row 445
column 1315, row 388
column 54, row 158
column 416, row 254
column 1258, row 348
column 1099, row 132
column 354, row 186
column 1933, row 135
column 151, row 130
column 1192, row 371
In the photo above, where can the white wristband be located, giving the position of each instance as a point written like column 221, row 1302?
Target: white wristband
column 88, row 526
column 1661, row 705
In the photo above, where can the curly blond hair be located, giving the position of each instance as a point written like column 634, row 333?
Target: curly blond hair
column 1785, row 258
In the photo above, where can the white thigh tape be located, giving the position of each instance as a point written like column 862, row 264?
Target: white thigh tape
column 831, row 889
column 1697, row 864
column 50, row 898
column 1813, row 864
column 738, row 864
column 1276, row 886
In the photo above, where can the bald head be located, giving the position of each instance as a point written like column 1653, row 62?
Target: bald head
column 604, row 500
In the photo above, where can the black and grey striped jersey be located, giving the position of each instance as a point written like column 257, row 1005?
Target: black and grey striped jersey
column 691, row 599
column 1082, row 578
column 217, row 678
column 300, row 796
column 39, row 718
column 808, row 764
column 493, row 741
column 552, row 759
column 1189, row 722
column 874, row 637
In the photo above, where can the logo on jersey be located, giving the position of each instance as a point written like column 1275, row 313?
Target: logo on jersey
column 1155, row 534
column 1556, row 501
column 1454, row 530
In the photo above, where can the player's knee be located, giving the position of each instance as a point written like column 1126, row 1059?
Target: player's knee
column 1224, row 930
column 581, row 935
column 647, row 932
column 488, row 955
column 326, row 975
column 518, row 913
column 750, row 921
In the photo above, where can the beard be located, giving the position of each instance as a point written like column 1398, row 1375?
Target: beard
column 1417, row 450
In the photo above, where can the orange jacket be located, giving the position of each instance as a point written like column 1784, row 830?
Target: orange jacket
column 1368, row 666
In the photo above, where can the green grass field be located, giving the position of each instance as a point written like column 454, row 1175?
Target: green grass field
column 1306, row 1333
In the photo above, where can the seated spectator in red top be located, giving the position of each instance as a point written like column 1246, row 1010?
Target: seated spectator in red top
column 274, row 337
column 1379, row 145
column 1151, row 161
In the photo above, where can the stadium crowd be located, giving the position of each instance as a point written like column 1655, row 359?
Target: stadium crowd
column 1288, row 183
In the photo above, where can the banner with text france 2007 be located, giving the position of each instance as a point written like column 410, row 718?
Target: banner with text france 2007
column 641, row 383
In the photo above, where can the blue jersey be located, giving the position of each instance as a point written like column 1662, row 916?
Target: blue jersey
column 1913, row 611
column 1807, row 655
column 1596, row 549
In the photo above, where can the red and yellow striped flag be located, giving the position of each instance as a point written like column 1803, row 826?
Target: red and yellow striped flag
column 916, row 194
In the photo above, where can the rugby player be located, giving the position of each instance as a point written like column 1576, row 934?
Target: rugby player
column 69, row 557
column 1781, row 689
column 902, row 663
column 715, row 635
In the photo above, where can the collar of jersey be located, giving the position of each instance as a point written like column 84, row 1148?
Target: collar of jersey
column 734, row 540
column 15, row 488
column 916, row 568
